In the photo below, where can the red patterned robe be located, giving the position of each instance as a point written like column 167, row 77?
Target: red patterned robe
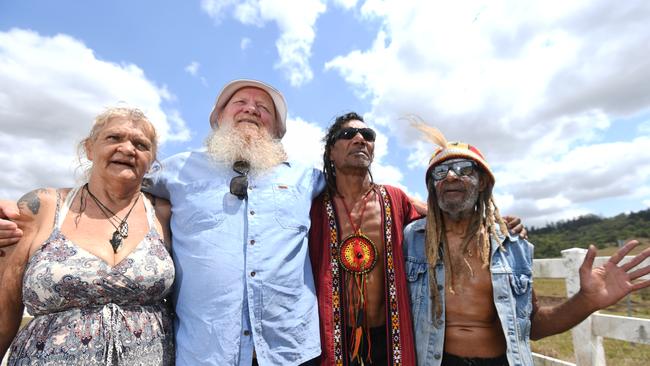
column 324, row 239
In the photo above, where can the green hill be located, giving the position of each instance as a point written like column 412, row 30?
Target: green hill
column 589, row 229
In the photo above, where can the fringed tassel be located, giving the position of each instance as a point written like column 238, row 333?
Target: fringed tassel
column 360, row 336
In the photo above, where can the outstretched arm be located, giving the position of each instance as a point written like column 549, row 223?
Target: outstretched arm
column 600, row 287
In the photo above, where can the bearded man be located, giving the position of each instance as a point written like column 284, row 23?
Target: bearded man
column 240, row 217
column 470, row 282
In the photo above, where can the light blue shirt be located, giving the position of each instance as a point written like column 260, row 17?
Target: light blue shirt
column 512, row 283
column 243, row 276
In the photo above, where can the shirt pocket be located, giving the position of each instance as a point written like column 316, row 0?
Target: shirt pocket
column 416, row 273
column 521, row 283
column 201, row 208
column 291, row 209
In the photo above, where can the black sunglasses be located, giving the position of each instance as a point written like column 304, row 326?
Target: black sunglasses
column 461, row 168
column 347, row 133
column 239, row 183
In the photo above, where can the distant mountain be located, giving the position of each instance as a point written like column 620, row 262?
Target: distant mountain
column 589, row 229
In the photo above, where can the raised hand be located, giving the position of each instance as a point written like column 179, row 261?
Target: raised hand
column 607, row 284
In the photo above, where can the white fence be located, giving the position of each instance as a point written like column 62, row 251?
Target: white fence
column 588, row 335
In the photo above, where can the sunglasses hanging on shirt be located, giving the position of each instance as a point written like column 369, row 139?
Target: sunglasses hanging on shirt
column 239, row 183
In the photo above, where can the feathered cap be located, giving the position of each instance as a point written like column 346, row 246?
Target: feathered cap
column 450, row 150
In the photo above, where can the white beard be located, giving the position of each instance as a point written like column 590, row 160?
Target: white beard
column 228, row 145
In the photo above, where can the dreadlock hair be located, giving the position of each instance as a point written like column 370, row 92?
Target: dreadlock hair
column 330, row 140
column 483, row 225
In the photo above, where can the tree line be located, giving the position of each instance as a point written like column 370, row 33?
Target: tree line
column 588, row 229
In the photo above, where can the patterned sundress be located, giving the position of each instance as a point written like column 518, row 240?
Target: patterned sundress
column 89, row 313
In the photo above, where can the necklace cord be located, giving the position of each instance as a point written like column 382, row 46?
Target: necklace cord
column 347, row 211
column 122, row 228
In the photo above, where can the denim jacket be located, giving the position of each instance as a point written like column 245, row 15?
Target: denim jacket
column 511, row 285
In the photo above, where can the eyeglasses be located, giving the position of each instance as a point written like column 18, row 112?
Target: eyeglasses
column 347, row 133
column 239, row 183
column 461, row 168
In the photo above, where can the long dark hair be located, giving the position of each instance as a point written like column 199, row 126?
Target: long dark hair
column 330, row 140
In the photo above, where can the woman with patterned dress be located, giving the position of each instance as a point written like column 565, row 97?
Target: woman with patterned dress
column 93, row 266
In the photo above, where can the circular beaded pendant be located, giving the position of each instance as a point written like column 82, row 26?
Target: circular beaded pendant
column 358, row 254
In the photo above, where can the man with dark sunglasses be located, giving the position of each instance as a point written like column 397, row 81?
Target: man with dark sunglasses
column 470, row 282
column 355, row 248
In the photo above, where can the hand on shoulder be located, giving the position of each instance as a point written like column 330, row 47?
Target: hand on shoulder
column 35, row 204
column 10, row 234
column 36, row 214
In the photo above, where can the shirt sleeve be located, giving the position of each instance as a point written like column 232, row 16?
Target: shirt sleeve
column 155, row 182
column 318, row 179
column 410, row 213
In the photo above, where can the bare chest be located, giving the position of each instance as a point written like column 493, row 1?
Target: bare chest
column 469, row 298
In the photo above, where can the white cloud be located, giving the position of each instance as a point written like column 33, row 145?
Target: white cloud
column 50, row 90
column 300, row 140
column 215, row 8
column 644, row 128
column 542, row 188
column 245, row 43
column 296, row 20
column 346, row 4
column 382, row 171
column 193, row 68
column 535, row 86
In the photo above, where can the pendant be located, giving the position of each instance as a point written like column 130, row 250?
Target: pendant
column 116, row 241
column 124, row 229
column 358, row 254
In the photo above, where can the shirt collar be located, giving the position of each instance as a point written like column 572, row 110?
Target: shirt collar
column 420, row 225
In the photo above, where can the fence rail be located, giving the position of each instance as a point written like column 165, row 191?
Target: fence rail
column 588, row 335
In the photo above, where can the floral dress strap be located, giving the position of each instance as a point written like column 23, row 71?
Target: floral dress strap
column 150, row 212
column 62, row 211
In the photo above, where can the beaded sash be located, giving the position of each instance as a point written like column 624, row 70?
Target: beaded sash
column 392, row 317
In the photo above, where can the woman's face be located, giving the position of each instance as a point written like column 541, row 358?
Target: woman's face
column 122, row 150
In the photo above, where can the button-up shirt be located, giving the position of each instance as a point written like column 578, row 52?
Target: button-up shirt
column 511, row 273
column 243, row 277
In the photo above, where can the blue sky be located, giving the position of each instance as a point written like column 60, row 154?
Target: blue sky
column 556, row 95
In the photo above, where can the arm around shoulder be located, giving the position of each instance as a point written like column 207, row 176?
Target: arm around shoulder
column 9, row 232
column 34, row 208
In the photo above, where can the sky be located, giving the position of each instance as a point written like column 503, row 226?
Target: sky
column 556, row 94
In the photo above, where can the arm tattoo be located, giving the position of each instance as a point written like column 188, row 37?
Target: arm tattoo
column 32, row 201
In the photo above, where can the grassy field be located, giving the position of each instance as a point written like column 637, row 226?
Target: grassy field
column 617, row 353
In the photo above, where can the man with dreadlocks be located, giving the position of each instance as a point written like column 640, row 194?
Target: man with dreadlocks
column 470, row 283
column 355, row 248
